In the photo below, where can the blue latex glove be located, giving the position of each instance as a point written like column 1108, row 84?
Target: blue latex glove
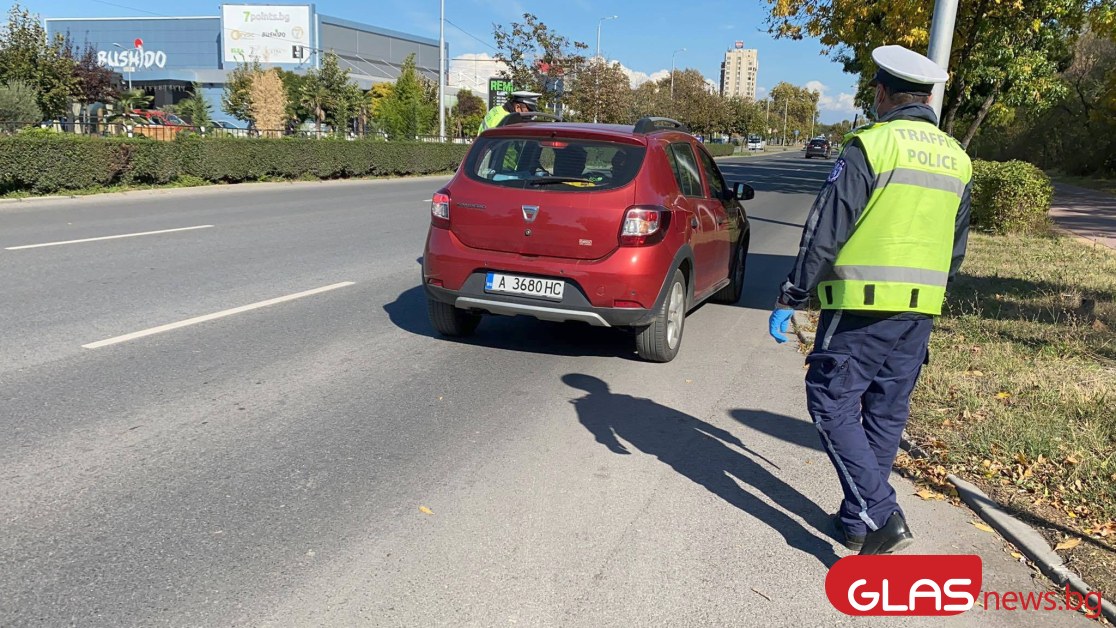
column 777, row 324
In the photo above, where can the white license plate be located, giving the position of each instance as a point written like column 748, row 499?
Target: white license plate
column 525, row 286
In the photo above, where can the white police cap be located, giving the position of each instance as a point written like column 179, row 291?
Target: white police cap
column 908, row 66
column 525, row 95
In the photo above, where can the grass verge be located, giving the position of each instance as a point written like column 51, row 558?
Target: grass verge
column 1093, row 183
column 1020, row 393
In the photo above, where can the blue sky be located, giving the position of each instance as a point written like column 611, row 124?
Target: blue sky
column 642, row 38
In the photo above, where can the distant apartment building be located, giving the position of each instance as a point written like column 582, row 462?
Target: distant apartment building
column 738, row 72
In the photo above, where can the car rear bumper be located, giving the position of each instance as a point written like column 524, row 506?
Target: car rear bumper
column 455, row 274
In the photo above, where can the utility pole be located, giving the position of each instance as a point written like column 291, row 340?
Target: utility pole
column 442, row 72
column 597, row 73
column 941, row 42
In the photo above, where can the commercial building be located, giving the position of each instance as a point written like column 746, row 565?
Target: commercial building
column 738, row 72
column 165, row 56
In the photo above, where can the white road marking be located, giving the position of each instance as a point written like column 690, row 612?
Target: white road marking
column 112, row 237
column 208, row 317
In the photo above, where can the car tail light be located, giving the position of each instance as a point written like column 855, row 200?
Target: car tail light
column 439, row 210
column 643, row 226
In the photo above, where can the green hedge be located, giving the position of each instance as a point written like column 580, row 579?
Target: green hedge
column 1010, row 197
column 720, row 150
column 43, row 164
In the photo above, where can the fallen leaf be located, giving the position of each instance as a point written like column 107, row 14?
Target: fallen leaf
column 689, row 381
column 1003, row 395
column 426, row 511
column 1071, row 459
column 1068, row 544
column 974, row 373
column 926, row 494
column 1017, row 556
column 979, row 525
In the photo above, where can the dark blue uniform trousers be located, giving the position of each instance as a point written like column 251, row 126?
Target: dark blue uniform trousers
column 858, row 387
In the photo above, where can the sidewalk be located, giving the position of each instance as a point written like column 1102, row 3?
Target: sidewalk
column 1085, row 213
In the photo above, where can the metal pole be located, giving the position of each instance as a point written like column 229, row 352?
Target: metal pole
column 672, row 78
column 941, row 42
column 786, row 104
column 442, row 72
column 597, row 70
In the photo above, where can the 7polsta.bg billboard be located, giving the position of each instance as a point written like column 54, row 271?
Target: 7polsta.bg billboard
column 265, row 33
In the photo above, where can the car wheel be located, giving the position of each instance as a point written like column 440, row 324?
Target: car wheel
column 660, row 341
column 451, row 321
column 730, row 294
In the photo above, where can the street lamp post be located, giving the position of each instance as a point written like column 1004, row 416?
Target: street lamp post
column 941, row 42
column 597, row 74
column 442, row 72
column 129, row 68
column 672, row 78
column 786, row 105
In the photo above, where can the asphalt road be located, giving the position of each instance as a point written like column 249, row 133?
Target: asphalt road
column 327, row 460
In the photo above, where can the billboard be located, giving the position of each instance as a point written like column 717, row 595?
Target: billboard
column 268, row 33
column 498, row 90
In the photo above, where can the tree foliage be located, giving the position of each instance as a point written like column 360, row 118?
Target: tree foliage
column 27, row 55
column 196, row 109
column 268, row 101
column 407, row 111
column 601, row 90
column 534, row 54
column 237, row 97
column 18, row 104
column 1003, row 50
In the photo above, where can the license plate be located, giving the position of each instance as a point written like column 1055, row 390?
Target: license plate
column 551, row 289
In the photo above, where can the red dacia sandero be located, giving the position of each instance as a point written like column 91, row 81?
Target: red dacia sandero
column 610, row 225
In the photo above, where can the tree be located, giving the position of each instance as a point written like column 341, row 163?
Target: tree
column 18, row 105
column 95, row 82
column 792, row 109
column 534, row 54
column 268, row 102
column 1003, row 50
column 602, row 90
column 237, row 97
column 405, row 113
column 467, row 115
column 196, row 109
column 376, row 96
column 26, row 55
column 341, row 101
column 293, row 83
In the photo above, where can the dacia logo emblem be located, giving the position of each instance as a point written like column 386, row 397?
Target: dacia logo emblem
column 530, row 212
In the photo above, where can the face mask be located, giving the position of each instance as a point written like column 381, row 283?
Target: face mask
column 873, row 111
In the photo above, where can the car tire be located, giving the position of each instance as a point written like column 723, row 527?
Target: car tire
column 451, row 321
column 730, row 294
column 660, row 341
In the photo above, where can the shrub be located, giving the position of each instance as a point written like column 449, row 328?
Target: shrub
column 720, row 150
column 1010, row 197
column 49, row 162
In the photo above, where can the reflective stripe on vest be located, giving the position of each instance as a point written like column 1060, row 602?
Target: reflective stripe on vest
column 898, row 256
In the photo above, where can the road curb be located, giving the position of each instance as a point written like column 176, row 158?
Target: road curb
column 1021, row 535
column 801, row 321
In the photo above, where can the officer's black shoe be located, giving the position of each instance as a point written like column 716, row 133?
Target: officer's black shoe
column 853, row 542
column 892, row 537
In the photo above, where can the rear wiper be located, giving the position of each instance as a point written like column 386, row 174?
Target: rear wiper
column 550, row 180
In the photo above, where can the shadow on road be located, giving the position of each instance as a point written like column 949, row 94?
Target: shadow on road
column 786, row 175
column 794, row 431
column 704, row 454
column 520, row 333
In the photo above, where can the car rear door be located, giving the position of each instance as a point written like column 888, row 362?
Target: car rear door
column 702, row 219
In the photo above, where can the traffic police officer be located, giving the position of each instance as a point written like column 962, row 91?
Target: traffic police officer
column 885, row 235
column 518, row 102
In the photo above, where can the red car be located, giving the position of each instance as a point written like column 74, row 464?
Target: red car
column 610, row 225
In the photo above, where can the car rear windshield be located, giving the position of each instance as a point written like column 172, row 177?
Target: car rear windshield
column 553, row 163
column 817, row 143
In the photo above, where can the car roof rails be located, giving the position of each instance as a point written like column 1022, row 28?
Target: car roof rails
column 652, row 124
column 528, row 116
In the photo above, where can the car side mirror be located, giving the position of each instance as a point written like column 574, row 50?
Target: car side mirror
column 744, row 192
